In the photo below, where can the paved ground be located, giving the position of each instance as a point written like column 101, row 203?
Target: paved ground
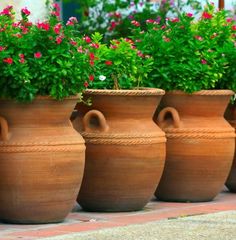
column 158, row 220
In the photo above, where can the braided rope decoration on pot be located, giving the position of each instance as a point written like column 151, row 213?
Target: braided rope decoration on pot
column 25, row 149
column 123, row 139
column 138, row 92
column 203, row 93
column 206, row 133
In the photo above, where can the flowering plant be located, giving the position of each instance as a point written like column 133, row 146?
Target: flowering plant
column 189, row 55
column 113, row 18
column 118, row 65
column 42, row 58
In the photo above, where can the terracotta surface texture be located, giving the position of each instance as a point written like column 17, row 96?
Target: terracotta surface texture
column 80, row 221
column 41, row 161
column 231, row 181
column 200, row 145
column 125, row 149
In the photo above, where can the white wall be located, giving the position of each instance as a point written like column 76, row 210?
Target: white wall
column 37, row 7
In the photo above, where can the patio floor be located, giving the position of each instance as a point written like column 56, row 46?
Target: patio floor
column 80, row 221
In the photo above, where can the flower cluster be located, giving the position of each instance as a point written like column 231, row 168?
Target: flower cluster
column 118, row 65
column 190, row 54
column 46, row 58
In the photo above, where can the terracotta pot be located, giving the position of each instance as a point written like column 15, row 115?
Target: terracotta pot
column 41, row 161
column 125, row 151
column 231, row 181
column 200, row 145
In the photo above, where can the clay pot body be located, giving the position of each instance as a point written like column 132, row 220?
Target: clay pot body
column 231, row 180
column 200, row 145
column 41, row 161
column 125, row 150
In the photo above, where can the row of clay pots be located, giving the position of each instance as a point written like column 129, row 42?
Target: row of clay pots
column 42, row 156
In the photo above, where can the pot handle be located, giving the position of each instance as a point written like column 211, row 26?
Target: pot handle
column 94, row 121
column 163, row 122
column 4, row 133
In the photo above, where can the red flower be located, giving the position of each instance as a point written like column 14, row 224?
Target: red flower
column 2, row 48
column 87, row 39
column 175, row 20
column 8, row 60
column 91, row 56
column 22, row 60
column 57, row 28
column 108, row 62
column 203, row 61
column 91, row 78
column 199, row 38
column 72, row 42
column 57, row 14
column 21, row 55
column 38, row 55
column 59, row 40
column 94, row 45
column 189, row 15
column 25, row 11
column 91, row 63
column 135, row 23
column 234, row 28
column 86, row 84
column 6, row 11
column 45, row 26
column 206, row 15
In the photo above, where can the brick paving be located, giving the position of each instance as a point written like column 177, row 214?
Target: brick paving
column 80, row 221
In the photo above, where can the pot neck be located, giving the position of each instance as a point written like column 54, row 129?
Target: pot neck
column 40, row 112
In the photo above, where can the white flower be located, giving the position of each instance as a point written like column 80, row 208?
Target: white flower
column 102, row 78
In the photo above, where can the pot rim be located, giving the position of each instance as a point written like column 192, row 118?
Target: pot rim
column 123, row 92
column 213, row 92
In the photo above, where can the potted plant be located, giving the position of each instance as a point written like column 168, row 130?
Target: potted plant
column 41, row 155
column 125, row 151
column 189, row 63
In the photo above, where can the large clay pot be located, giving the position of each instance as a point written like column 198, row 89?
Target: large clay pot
column 125, row 150
column 41, row 161
column 231, row 181
column 200, row 145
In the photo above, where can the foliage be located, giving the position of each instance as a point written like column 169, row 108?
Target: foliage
column 190, row 55
column 41, row 58
column 118, row 65
column 113, row 18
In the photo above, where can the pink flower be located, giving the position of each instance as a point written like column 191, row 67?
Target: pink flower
column 203, row 61
column 22, row 60
column 91, row 56
column 57, row 28
column 91, row 78
column 175, row 20
column 86, row 84
column 150, row 21
column 57, row 14
column 2, row 48
column 229, row 20
column 38, row 55
column 71, row 21
column 135, row 23
column 206, row 15
column 16, row 24
column 91, row 63
column 72, row 42
column 108, row 62
column 56, row 6
column 87, row 39
column 113, row 46
column 80, row 49
column 25, row 11
column 6, row 11
column 59, row 40
column 8, row 60
column 21, row 55
column 189, row 15
column 94, row 45
column 43, row 25
column 199, row 38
